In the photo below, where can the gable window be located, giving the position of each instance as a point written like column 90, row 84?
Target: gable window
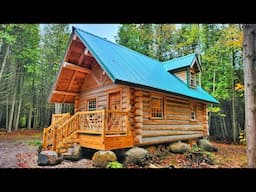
column 192, row 82
column 156, row 107
column 91, row 104
column 193, row 112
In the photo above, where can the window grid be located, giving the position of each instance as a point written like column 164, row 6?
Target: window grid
column 156, row 107
column 91, row 104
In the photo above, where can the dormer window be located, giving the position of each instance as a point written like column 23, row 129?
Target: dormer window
column 192, row 80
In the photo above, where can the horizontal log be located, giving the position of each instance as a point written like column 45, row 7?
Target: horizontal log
column 138, row 131
column 138, row 119
column 76, row 67
column 138, row 125
column 138, row 112
column 138, row 139
column 173, row 127
column 170, row 122
column 173, row 100
column 138, row 105
column 138, row 99
column 167, row 139
column 138, row 93
column 178, row 117
column 65, row 93
column 153, row 133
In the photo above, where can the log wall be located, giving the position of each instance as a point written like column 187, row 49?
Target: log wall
column 176, row 123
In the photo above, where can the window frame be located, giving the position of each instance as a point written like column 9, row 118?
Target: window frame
column 193, row 110
column 88, row 104
column 192, row 76
column 161, row 107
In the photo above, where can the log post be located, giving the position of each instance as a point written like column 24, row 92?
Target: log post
column 138, row 115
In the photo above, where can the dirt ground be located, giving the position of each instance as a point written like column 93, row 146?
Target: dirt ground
column 17, row 151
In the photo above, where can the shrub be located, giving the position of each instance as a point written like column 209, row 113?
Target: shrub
column 35, row 142
column 114, row 165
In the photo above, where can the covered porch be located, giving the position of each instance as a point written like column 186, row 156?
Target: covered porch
column 100, row 129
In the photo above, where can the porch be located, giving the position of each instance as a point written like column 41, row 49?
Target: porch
column 100, row 129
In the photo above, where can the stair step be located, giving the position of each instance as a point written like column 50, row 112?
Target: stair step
column 66, row 154
column 62, row 150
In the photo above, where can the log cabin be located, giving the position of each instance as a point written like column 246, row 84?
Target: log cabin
column 123, row 98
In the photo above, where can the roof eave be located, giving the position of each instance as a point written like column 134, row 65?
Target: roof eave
column 117, row 81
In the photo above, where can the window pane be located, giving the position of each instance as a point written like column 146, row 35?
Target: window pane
column 91, row 105
column 156, row 107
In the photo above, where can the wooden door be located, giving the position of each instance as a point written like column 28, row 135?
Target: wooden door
column 114, row 101
column 113, row 118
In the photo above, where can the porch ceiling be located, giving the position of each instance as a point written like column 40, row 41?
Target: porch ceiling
column 73, row 71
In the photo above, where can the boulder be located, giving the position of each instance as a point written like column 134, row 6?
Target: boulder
column 178, row 147
column 206, row 145
column 137, row 156
column 48, row 158
column 74, row 153
column 101, row 158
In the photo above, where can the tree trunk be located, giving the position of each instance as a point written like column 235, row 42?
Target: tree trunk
column 30, row 116
column 249, row 56
column 7, row 113
column 18, row 115
column 12, row 113
column 58, row 107
column 234, row 125
column 4, row 62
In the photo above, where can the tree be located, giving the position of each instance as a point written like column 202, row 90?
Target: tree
column 249, row 55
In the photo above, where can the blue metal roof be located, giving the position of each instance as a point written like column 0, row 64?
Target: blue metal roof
column 124, row 65
column 180, row 62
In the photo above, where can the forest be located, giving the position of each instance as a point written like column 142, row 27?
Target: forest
column 30, row 55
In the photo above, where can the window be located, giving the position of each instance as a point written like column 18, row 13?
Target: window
column 91, row 104
column 192, row 79
column 193, row 112
column 156, row 107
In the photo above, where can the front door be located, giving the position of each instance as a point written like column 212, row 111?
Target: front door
column 114, row 101
column 113, row 119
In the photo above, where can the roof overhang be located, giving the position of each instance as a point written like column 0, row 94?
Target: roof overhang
column 71, row 76
column 117, row 81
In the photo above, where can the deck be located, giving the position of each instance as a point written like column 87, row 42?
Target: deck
column 101, row 130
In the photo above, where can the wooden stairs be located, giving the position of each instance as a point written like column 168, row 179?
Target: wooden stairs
column 102, row 130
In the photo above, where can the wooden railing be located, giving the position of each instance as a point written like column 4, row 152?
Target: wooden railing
column 56, row 117
column 101, row 122
column 49, row 133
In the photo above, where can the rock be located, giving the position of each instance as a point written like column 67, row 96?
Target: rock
column 101, row 158
column 178, row 147
column 154, row 166
column 137, row 156
column 206, row 145
column 48, row 158
column 74, row 153
column 40, row 148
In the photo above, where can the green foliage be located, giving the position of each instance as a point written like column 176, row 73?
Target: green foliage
column 114, row 165
column 23, row 121
column 35, row 142
column 214, row 109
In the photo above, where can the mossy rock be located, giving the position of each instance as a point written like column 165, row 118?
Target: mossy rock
column 102, row 158
column 178, row 147
column 206, row 145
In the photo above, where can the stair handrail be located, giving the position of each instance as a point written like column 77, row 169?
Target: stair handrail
column 53, row 126
column 59, row 131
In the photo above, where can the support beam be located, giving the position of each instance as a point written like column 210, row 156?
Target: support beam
column 70, row 84
column 95, row 78
column 65, row 93
column 76, row 68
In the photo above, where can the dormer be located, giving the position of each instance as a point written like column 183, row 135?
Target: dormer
column 185, row 68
